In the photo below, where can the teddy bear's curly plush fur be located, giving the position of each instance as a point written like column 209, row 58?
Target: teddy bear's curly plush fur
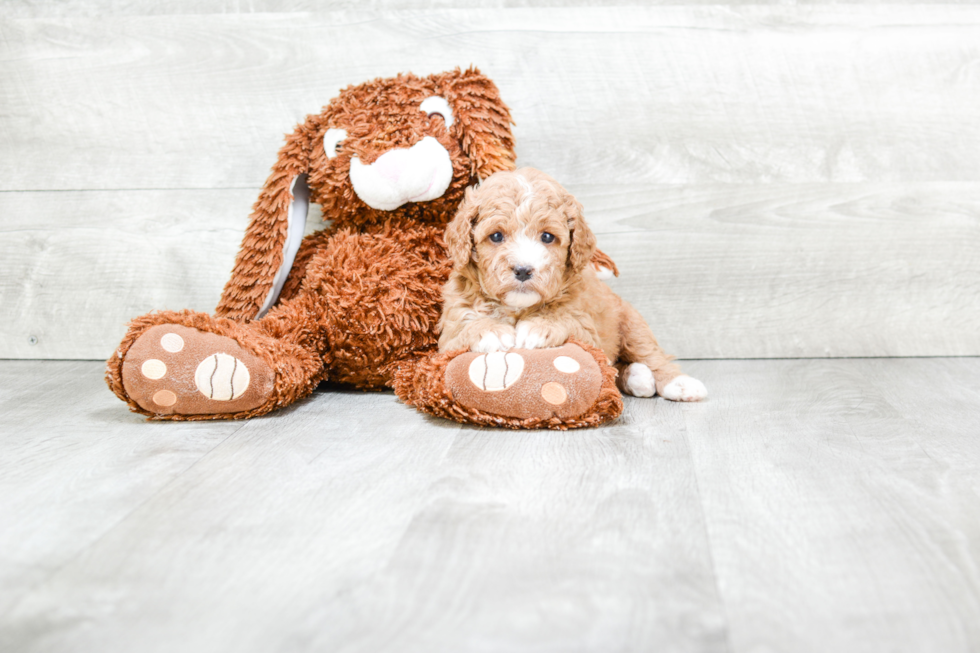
column 355, row 303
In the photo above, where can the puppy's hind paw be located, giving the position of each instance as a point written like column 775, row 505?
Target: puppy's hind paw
column 684, row 388
column 638, row 381
column 491, row 342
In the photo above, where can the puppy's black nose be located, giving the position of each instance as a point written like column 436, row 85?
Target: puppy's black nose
column 523, row 274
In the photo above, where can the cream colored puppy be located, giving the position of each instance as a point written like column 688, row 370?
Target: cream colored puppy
column 521, row 278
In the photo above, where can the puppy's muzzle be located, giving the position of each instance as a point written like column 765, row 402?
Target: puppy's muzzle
column 523, row 273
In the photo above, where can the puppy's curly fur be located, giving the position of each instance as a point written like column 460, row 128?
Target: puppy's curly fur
column 521, row 278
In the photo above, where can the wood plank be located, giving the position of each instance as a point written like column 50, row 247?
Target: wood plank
column 777, row 271
column 806, row 506
column 96, row 8
column 933, row 394
column 75, row 267
column 352, row 523
column 832, row 527
column 719, row 271
column 75, row 464
column 582, row 541
column 673, row 94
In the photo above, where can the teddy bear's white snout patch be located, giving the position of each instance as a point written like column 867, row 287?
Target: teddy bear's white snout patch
column 416, row 174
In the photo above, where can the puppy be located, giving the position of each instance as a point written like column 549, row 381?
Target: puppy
column 522, row 279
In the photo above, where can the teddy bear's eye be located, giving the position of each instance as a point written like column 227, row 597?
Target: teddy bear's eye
column 437, row 105
column 496, row 237
column 332, row 140
column 547, row 238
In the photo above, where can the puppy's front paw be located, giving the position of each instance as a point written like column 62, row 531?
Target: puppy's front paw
column 493, row 341
column 538, row 336
column 684, row 388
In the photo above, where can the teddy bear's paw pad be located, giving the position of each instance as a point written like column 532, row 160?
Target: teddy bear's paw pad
column 526, row 383
column 173, row 369
column 222, row 377
column 684, row 388
column 496, row 371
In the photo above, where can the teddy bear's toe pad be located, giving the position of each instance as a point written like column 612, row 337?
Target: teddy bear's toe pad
column 173, row 369
column 526, row 383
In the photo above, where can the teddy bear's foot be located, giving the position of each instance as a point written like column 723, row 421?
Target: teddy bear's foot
column 566, row 387
column 177, row 370
column 561, row 382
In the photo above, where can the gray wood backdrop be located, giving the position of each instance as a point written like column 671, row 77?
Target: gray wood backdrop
column 774, row 181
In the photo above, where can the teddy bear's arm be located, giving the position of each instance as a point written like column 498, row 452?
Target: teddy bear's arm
column 274, row 231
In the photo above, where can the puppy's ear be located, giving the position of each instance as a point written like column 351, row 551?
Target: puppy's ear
column 583, row 244
column 459, row 233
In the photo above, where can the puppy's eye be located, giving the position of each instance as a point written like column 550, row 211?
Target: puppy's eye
column 547, row 238
column 332, row 140
column 496, row 237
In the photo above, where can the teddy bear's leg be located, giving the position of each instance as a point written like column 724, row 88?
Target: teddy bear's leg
column 367, row 302
column 564, row 387
column 187, row 365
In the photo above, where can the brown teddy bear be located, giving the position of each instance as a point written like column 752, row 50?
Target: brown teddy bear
column 359, row 301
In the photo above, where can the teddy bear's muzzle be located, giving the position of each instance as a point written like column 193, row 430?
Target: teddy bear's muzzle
column 416, row 174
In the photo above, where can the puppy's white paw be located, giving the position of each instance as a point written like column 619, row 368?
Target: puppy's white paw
column 639, row 381
column 491, row 342
column 684, row 388
column 530, row 336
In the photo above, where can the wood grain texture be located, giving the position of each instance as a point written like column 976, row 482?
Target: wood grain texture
column 806, row 506
column 96, row 8
column 930, row 399
column 772, row 270
column 674, row 94
column 777, row 271
column 352, row 523
column 529, row 541
column 774, row 181
column 74, row 465
column 838, row 519
column 75, row 266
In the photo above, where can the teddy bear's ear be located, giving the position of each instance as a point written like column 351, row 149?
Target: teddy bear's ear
column 274, row 232
column 482, row 118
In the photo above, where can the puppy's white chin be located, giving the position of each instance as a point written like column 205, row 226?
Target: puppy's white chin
column 518, row 299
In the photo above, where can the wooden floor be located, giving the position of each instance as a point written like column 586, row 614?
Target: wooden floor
column 809, row 505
